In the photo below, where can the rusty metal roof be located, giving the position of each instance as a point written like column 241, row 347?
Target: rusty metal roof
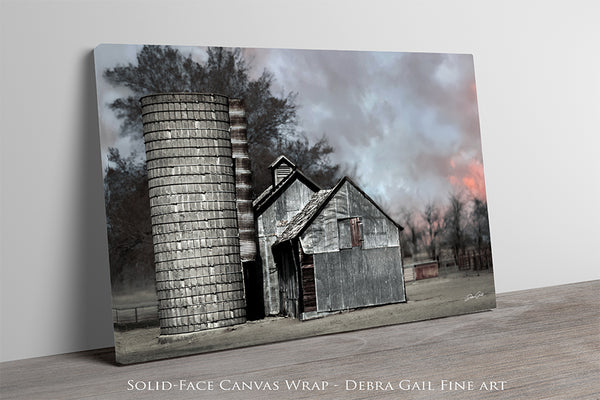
column 310, row 209
column 316, row 203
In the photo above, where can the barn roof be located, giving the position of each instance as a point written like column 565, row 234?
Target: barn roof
column 310, row 209
column 280, row 160
column 317, row 202
column 272, row 193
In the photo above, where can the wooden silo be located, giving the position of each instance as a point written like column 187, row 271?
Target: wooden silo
column 191, row 184
column 245, row 212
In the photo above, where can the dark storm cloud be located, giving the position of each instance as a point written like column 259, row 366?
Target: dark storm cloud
column 408, row 121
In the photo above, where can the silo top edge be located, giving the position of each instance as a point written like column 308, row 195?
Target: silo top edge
column 176, row 97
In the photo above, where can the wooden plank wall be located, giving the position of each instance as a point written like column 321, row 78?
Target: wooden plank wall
column 270, row 223
column 322, row 234
column 357, row 278
column 309, row 294
column 426, row 271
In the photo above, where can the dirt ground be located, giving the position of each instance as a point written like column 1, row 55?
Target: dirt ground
column 457, row 293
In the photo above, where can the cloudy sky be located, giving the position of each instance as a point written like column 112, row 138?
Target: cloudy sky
column 409, row 121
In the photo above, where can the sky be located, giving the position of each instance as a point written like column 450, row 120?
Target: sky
column 408, row 121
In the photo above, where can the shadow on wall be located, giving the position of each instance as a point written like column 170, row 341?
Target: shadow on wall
column 91, row 304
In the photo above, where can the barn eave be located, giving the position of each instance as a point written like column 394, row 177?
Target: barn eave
column 272, row 193
column 311, row 210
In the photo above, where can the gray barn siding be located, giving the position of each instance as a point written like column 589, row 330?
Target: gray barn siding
column 322, row 235
column 356, row 278
column 289, row 282
column 271, row 223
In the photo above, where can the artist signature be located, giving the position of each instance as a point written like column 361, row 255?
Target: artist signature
column 472, row 296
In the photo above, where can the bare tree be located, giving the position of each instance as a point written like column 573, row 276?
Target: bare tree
column 455, row 224
column 411, row 234
column 272, row 123
column 432, row 217
column 128, row 221
column 480, row 225
column 272, row 130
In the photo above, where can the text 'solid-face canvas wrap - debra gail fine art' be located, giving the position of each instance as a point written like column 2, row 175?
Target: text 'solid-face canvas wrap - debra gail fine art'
column 264, row 195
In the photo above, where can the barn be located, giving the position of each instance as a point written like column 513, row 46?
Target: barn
column 340, row 252
column 274, row 208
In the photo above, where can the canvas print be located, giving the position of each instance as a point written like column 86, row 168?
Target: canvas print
column 263, row 195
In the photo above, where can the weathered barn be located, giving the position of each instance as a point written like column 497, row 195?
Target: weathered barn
column 341, row 251
column 274, row 209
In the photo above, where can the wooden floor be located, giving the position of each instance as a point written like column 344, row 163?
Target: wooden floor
column 538, row 344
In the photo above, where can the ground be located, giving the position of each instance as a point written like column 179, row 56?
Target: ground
column 456, row 293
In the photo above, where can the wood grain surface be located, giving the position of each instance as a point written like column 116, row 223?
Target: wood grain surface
column 542, row 343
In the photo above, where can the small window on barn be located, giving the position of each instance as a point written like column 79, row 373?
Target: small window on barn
column 282, row 172
column 350, row 232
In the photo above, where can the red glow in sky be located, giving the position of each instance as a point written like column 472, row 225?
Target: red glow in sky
column 470, row 179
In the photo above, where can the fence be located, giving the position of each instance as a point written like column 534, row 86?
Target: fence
column 475, row 259
column 134, row 315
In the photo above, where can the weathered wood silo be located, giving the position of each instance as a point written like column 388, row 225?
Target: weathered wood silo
column 243, row 179
column 191, row 182
column 245, row 212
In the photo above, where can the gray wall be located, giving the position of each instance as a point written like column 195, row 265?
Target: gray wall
column 322, row 234
column 538, row 90
column 358, row 277
column 271, row 223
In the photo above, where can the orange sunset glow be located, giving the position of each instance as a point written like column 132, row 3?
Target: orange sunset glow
column 470, row 179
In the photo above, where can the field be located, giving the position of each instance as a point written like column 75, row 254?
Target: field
column 453, row 294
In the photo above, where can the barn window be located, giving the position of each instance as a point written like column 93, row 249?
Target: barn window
column 282, row 172
column 350, row 232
